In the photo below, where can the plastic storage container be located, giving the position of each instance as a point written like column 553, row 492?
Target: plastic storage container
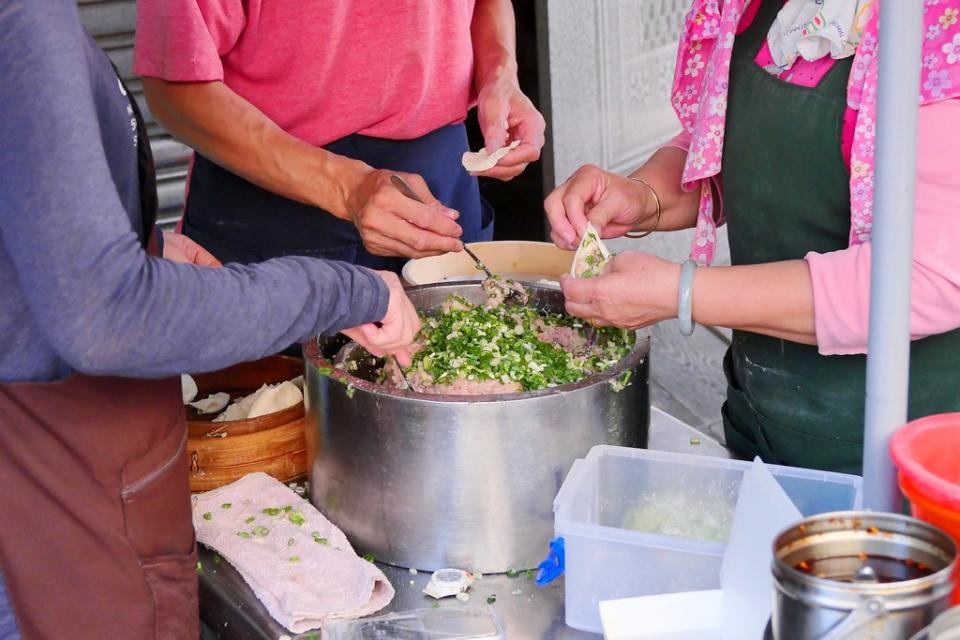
column 616, row 487
column 465, row 623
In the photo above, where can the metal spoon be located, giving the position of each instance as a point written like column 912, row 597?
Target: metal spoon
column 403, row 376
column 353, row 352
column 406, row 190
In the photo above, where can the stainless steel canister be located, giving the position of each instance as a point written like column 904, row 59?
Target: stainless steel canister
column 860, row 575
column 427, row 481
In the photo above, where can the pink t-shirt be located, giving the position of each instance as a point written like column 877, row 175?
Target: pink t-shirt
column 394, row 69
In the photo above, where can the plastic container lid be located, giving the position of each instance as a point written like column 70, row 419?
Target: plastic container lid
column 461, row 623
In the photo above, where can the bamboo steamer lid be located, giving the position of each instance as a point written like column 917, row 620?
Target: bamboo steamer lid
column 221, row 452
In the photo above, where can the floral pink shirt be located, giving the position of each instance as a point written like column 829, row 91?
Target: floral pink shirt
column 700, row 100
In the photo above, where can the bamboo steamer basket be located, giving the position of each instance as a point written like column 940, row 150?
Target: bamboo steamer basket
column 274, row 444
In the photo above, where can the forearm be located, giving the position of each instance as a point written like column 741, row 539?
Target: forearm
column 774, row 299
column 230, row 131
column 163, row 320
column 493, row 32
column 663, row 172
column 108, row 309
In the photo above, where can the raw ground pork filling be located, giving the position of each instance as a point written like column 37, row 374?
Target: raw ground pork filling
column 469, row 349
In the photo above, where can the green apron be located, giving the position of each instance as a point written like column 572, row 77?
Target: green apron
column 786, row 192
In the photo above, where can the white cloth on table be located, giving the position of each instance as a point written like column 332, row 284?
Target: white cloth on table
column 304, row 574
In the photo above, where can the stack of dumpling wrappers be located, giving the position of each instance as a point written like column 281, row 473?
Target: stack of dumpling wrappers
column 269, row 398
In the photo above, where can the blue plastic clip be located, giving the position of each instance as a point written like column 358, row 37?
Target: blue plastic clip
column 552, row 567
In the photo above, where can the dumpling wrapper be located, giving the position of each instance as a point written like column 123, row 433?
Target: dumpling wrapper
column 591, row 256
column 240, row 408
column 188, row 386
column 480, row 161
column 273, row 399
column 213, row 403
column 266, row 399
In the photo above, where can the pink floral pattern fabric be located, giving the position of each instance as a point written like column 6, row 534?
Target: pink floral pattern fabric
column 699, row 97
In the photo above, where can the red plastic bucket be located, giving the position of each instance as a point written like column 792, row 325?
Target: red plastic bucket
column 927, row 454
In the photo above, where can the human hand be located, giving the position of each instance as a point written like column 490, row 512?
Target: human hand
column 391, row 224
column 504, row 112
column 612, row 203
column 394, row 334
column 179, row 248
column 635, row 290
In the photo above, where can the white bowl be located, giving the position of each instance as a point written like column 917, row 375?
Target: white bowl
column 520, row 260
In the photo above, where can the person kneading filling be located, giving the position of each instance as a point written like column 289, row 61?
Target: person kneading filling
column 301, row 112
column 100, row 313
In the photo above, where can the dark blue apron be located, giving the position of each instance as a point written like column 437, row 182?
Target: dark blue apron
column 238, row 221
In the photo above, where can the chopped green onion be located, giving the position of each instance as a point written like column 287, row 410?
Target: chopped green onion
column 369, row 557
column 243, row 534
column 271, row 511
column 250, row 519
column 261, row 531
column 216, row 558
column 350, row 391
column 199, row 567
column 297, row 518
column 208, row 516
column 471, row 342
column 294, row 558
column 512, row 573
column 287, row 509
column 291, row 542
column 226, row 505
column 491, row 598
column 694, row 440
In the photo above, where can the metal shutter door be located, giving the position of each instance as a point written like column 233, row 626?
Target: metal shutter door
column 112, row 24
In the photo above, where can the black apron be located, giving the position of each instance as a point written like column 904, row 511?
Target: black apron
column 237, row 221
column 96, row 538
column 786, row 192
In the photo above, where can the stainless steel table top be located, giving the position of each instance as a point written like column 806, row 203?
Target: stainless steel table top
column 228, row 606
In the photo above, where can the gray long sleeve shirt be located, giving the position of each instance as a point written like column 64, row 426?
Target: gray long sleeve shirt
column 77, row 290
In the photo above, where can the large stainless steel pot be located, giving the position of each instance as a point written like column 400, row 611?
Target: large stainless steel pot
column 427, row 481
column 860, row 576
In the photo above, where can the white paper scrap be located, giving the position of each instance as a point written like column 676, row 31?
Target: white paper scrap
column 763, row 511
column 690, row 615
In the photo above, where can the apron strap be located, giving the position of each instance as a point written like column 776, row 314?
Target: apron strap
column 146, row 170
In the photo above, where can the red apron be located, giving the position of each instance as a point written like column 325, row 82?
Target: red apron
column 96, row 539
